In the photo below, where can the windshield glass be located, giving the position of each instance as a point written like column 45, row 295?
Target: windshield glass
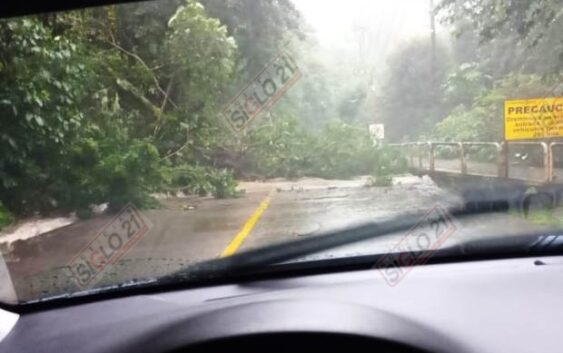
column 138, row 139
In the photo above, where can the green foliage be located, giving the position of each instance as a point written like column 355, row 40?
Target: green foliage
column 202, row 181
column 91, row 113
column 188, row 179
column 411, row 104
column 380, row 181
column 223, row 184
column 42, row 76
column 388, row 161
column 343, row 151
column 261, row 30
column 515, row 53
column 203, row 57
column 483, row 120
column 112, row 104
column 278, row 148
column 5, row 217
column 109, row 168
column 529, row 29
column 464, row 85
column 202, row 51
column 285, row 149
column 465, row 125
column 529, row 20
column 349, row 108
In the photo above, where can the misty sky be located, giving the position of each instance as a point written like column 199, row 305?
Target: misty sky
column 386, row 24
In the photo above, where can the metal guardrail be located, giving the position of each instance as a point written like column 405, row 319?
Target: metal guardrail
column 427, row 150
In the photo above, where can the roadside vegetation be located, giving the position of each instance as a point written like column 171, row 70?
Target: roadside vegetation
column 337, row 151
column 513, row 52
column 5, row 218
column 115, row 104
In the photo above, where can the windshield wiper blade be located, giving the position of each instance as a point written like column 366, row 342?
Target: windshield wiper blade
column 256, row 259
column 259, row 260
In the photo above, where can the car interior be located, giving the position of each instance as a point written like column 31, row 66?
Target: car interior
column 481, row 297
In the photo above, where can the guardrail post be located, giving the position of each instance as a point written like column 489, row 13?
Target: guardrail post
column 431, row 161
column 502, row 160
column 411, row 155
column 463, row 166
column 420, row 157
column 550, row 164
column 551, row 161
column 547, row 161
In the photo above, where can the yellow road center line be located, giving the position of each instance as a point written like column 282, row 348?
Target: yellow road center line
column 246, row 229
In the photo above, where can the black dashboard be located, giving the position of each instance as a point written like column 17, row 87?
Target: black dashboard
column 510, row 305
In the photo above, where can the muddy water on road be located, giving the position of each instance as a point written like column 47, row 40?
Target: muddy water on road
column 187, row 230
column 305, row 208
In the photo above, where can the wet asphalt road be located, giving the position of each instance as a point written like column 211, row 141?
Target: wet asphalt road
column 188, row 230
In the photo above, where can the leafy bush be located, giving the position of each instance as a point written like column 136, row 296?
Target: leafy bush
column 280, row 148
column 39, row 106
column 462, row 125
column 344, row 151
column 465, row 84
column 113, row 169
column 99, row 167
column 483, row 121
column 199, row 180
column 388, row 161
column 83, row 121
column 5, row 217
column 380, row 181
column 285, row 149
column 223, row 183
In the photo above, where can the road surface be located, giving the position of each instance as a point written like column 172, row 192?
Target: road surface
column 188, row 230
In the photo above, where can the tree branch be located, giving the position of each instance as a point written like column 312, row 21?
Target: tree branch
column 114, row 44
column 179, row 149
column 163, row 106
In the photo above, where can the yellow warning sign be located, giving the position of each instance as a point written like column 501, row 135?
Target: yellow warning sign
column 533, row 118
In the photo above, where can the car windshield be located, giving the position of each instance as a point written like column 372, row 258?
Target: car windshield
column 139, row 139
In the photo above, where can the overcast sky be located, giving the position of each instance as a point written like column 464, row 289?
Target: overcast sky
column 387, row 23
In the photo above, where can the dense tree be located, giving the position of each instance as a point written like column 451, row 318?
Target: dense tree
column 113, row 103
column 464, row 84
column 504, row 50
column 88, row 118
column 483, row 119
column 411, row 104
column 261, row 29
column 513, row 34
